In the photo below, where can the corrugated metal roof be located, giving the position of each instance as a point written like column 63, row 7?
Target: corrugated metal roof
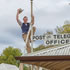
column 60, row 50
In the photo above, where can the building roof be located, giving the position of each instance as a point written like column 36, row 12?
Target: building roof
column 54, row 51
column 57, row 58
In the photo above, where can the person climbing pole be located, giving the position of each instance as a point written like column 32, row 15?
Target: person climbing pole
column 25, row 28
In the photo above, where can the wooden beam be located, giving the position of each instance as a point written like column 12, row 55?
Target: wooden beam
column 32, row 67
column 21, row 66
column 67, row 67
column 59, row 65
column 46, row 64
column 29, row 67
column 64, row 64
column 41, row 63
column 43, row 58
column 37, row 68
column 52, row 65
column 49, row 62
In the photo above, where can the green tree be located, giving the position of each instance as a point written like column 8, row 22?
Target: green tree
column 3, row 59
column 25, row 67
column 40, row 47
column 9, row 54
column 49, row 32
column 64, row 29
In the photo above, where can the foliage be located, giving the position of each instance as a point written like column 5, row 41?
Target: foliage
column 59, row 30
column 49, row 32
column 64, row 29
column 9, row 54
column 41, row 47
column 25, row 67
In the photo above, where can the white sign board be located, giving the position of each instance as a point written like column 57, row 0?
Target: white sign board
column 50, row 39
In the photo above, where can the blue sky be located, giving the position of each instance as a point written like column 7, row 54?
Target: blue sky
column 48, row 14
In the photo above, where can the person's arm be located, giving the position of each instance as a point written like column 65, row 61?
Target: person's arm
column 17, row 18
column 32, row 20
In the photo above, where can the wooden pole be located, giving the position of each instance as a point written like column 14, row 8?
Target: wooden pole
column 21, row 67
column 31, row 29
column 37, row 67
column 31, row 8
column 32, row 67
column 29, row 67
column 31, row 26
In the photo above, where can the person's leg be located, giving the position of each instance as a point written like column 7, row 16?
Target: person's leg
column 28, row 48
column 34, row 30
